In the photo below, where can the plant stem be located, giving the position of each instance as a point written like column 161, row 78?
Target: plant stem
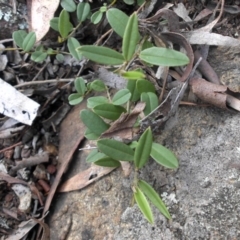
column 128, row 106
column 135, row 179
column 74, row 30
column 108, row 94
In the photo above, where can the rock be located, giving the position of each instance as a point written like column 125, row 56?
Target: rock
column 202, row 195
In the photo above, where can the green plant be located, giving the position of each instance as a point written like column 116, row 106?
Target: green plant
column 109, row 153
column 27, row 41
column 104, row 112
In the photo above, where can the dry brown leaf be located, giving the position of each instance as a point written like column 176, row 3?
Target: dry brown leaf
column 209, row 27
column 71, row 134
column 217, row 95
column 204, row 13
column 209, row 92
column 205, row 69
column 39, row 15
column 169, row 15
column 177, row 38
column 182, row 12
column 23, row 228
column 84, row 178
column 122, row 128
column 12, row 180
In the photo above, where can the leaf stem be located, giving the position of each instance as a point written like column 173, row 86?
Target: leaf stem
column 74, row 30
column 108, row 95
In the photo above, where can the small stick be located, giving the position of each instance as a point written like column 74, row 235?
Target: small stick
column 8, row 148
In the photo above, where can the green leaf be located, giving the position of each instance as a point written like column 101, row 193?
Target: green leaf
column 145, row 86
column 154, row 198
column 164, row 156
column 98, row 85
column 117, row 20
column 133, row 75
column 93, row 122
column 75, row 99
column 109, row 111
column 130, row 37
column 60, row 57
column 143, row 149
column 107, row 162
column 129, row 2
column 121, row 97
column 83, row 10
column 133, row 144
column 96, row 17
column 103, row 9
column 50, row 51
column 147, row 44
column 115, row 149
column 94, row 156
column 163, row 57
column 140, row 2
column 94, row 101
column 73, row 44
column 38, row 56
column 29, row 41
column 151, row 101
column 54, row 23
column 101, row 55
column 64, row 24
column 90, row 135
column 39, row 48
column 80, row 86
column 143, row 205
column 18, row 37
column 68, row 5
column 132, row 87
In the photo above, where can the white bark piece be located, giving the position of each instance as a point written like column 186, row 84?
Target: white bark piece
column 214, row 39
column 25, row 196
column 16, row 105
column 111, row 79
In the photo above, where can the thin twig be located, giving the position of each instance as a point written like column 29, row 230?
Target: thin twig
column 6, row 40
column 163, row 89
column 44, row 81
column 40, row 71
column 103, row 36
column 8, row 148
column 194, row 104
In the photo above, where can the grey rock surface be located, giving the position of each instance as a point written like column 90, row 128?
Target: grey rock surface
column 202, row 195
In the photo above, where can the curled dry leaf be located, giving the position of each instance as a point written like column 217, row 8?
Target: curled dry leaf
column 177, row 38
column 209, row 27
column 39, row 15
column 217, row 95
column 122, row 128
column 169, row 15
column 205, row 69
